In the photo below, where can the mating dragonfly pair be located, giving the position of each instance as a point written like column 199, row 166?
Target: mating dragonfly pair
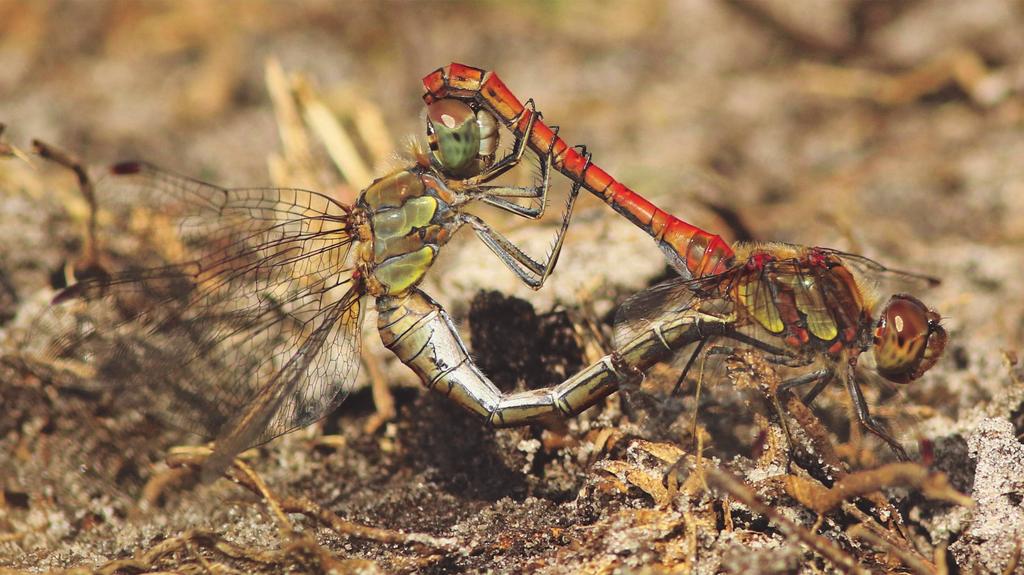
column 256, row 331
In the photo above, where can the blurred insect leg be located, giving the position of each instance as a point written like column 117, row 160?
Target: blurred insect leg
column 860, row 407
column 421, row 334
column 772, row 354
column 820, row 377
column 383, row 400
column 91, row 264
column 773, row 399
column 518, row 147
column 689, row 365
column 696, row 399
column 530, row 271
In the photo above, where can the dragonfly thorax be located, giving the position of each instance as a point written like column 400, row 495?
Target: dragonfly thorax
column 408, row 216
column 809, row 299
column 814, row 301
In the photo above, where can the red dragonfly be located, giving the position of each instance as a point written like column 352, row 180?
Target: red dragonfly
column 692, row 251
column 797, row 305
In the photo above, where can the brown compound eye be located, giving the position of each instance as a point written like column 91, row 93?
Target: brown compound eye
column 908, row 339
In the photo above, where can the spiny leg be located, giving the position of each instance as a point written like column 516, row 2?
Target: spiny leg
column 783, row 359
column 513, row 158
column 530, row 271
column 820, row 377
column 860, row 406
column 689, row 365
column 496, row 195
column 772, row 354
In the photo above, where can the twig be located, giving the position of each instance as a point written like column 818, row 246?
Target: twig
column 195, row 457
column 822, row 499
column 904, row 554
column 159, row 482
column 871, row 524
column 257, row 485
column 383, row 399
column 800, row 39
column 726, row 482
column 345, row 527
column 147, row 560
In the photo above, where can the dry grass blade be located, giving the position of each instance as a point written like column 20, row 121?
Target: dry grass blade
column 10, row 150
column 961, row 68
column 383, row 399
column 891, row 542
column 336, row 140
column 369, row 123
column 296, row 167
column 244, row 476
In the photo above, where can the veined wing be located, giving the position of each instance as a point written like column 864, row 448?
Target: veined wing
column 251, row 333
column 748, row 297
column 667, row 300
column 871, row 271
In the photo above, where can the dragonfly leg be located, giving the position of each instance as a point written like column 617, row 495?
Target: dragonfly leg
column 417, row 330
column 497, row 196
column 529, row 270
column 819, row 377
column 860, row 406
column 519, row 146
column 773, row 354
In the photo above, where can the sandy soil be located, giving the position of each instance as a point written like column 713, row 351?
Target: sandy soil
column 893, row 132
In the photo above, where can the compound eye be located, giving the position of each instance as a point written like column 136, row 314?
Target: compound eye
column 454, row 135
column 908, row 339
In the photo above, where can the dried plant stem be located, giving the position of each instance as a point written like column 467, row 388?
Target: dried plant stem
column 725, row 481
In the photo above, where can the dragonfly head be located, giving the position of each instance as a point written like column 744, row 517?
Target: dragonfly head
column 462, row 140
column 908, row 339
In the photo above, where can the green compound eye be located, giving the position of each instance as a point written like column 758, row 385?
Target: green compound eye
column 455, row 134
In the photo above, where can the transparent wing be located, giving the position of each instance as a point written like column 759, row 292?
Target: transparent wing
column 250, row 333
column 872, row 271
column 666, row 300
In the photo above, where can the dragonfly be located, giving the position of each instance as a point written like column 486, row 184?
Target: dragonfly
column 798, row 305
column 690, row 250
column 253, row 329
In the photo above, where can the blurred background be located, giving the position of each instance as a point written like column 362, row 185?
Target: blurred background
column 893, row 130
column 875, row 127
